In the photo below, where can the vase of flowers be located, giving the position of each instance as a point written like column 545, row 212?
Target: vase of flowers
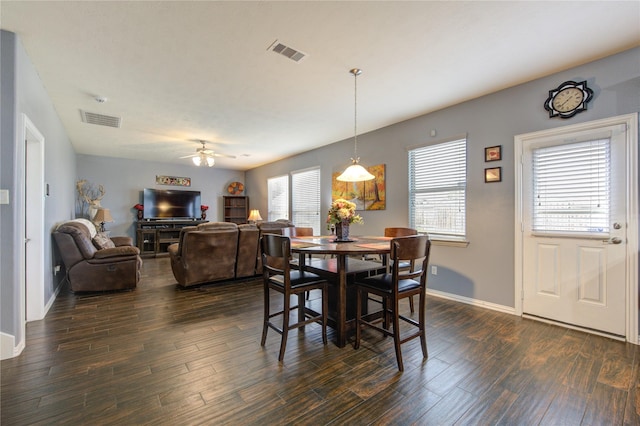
column 203, row 211
column 342, row 214
column 140, row 208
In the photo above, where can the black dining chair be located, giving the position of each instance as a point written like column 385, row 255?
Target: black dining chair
column 279, row 276
column 393, row 286
column 394, row 232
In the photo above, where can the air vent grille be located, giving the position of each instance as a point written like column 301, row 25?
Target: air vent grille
column 284, row 50
column 100, row 119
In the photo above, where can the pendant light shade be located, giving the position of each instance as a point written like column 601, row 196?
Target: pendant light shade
column 355, row 172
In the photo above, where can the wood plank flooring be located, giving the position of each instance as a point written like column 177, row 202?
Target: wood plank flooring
column 163, row 355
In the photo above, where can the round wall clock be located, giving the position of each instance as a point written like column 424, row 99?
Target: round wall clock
column 568, row 99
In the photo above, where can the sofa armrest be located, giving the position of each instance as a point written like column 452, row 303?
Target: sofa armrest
column 117, row 251
column 122, row 241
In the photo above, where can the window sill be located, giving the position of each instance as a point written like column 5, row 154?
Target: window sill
column 449, row 243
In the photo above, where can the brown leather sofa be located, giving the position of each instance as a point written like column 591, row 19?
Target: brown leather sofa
column 217, row 251
column 90, row 268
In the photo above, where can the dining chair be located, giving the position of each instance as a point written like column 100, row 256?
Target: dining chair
column 279, row 276
column 402, row 232
column 393, row 286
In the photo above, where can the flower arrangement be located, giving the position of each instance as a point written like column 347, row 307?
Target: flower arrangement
column 204, row 208
column 343, row 211
column 139, row 207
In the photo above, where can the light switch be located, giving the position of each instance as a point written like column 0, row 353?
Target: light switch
column 4, row 196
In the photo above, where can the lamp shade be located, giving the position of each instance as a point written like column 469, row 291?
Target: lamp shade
column 355, row 173
column 103, row 216
column 254, row 216
column 196, row 160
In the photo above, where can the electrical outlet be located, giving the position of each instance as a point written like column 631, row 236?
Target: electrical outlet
column 434, row 270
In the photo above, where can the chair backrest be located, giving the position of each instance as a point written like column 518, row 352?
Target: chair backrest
column 414, row 249
column 276, row 251
column 399, row 232
column 298, row 231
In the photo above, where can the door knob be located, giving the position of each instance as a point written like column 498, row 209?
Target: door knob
column 615, row 240
column 617, row 226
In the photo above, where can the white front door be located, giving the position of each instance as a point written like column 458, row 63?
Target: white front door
column 574, row 224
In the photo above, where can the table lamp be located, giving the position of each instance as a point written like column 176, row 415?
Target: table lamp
column 254, row 216
column 102, row 216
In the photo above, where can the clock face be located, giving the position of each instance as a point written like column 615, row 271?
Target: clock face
column 568, row 99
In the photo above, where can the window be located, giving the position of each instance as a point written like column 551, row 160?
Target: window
column 571, row 188
column 437, row 189
column 278, row 198
column 305, row 199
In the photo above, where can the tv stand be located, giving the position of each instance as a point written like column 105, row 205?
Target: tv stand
column 153, row 236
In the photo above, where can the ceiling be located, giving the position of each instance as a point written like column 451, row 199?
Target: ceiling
column 175, row 71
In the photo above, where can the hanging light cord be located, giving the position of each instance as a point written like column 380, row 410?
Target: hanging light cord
column 356, row 72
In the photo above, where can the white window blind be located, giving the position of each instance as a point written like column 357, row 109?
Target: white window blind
column 437, row 189
column 571, row 188
column 278, row 197
column 305, row 199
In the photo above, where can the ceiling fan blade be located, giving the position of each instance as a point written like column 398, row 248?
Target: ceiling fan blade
column 223, row 155
column 189, row 156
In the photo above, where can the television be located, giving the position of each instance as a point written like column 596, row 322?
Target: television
column 171, row 204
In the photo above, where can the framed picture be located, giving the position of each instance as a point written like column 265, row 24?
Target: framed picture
column 173, row 180
column 493, row 153
column 493, row 174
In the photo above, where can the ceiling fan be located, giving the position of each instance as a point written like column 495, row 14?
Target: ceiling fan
column 205, row 156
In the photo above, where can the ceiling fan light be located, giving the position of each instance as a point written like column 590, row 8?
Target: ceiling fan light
column 355, row 173
column 210, row 161
column 197, row 160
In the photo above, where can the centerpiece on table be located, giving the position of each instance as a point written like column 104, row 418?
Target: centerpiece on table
column 203, row 210
column 342, row 214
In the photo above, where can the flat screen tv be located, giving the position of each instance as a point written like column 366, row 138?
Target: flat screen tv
column 171, row 204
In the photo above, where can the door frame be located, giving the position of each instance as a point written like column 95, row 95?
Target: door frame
column 631, row 145
column 32, row 303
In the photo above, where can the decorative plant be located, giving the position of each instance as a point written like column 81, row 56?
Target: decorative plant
column 343, row 211
column 204, row 208
column 139, row 207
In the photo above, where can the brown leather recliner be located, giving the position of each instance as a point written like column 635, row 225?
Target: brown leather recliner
column 205, row 253
column 92, row 269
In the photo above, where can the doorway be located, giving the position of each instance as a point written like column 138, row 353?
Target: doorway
column 576, row 226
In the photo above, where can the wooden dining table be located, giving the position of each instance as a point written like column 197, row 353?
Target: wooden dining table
column 340, row 263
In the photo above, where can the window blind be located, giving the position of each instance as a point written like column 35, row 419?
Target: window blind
column 571, row 186
column 437, row 189
column 278, row 198
column 305, row 199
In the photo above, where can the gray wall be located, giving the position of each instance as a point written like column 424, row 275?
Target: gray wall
column 484, row 270
column 23, row 92
column 124, row 180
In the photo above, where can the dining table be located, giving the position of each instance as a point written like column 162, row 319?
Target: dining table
column 341, row 262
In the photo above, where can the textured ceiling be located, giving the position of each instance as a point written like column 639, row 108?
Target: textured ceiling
column 177, row 71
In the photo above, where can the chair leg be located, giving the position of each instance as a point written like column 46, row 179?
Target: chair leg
column 411, row 304
column 396, row 336
column 267, row 312
column 285, row 325
column 325, row 313
column 356, row 343
column 421, row 325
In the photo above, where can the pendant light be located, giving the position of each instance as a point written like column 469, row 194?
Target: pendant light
column 355, row 172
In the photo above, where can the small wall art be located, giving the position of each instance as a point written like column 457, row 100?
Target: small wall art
column 493, row 153
column 493, row 174
column 173, row 180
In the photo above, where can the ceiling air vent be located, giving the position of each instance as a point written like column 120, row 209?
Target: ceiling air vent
column 284, row 50
column 100, row 119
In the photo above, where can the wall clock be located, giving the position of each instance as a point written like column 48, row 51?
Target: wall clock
column 568, row 99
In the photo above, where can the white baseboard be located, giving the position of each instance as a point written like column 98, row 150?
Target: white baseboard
column 474, row 302
column 7, row 349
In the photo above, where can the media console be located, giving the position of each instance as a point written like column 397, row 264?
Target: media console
column 154, row 236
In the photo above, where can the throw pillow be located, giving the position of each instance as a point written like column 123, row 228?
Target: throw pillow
column 102, row 241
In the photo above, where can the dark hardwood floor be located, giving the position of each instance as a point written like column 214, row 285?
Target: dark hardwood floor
column 166, row 355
